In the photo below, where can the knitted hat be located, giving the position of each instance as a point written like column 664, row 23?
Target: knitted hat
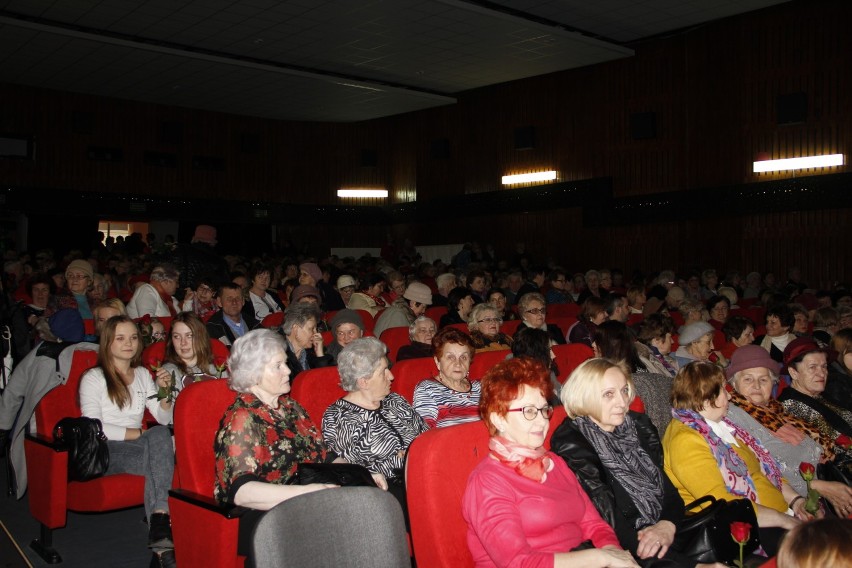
column 205, row 234
column 694, row 332
column 345, row 281
column 750, row 357
column 81, row 266
column 312, row 269
column 303, row 291
column 418, row 292
column 346, row 316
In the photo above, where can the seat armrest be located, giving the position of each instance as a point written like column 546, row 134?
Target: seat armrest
column 43, row 440
column 227, row 511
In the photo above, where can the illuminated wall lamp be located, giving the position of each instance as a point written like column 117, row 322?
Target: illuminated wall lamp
column 798, row 163
column 378, row 193
column 527, row 178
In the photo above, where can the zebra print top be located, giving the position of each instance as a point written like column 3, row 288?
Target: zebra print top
column 376, row 439
column 442, row 406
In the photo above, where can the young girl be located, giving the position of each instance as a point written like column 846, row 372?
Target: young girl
column 116, row 392
column 188, row 353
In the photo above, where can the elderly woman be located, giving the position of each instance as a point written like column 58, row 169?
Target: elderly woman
column 696, row 344
column 706, row 454
column 692, row 311
column 826, row 324
column 79, row 276
column 450, row 397
column 788, row 439
column 654, row 344
column 305, row 349
column 405, row 309
column 156, row 298
column 484, row 324
column 262, row 302
column 369, row 297
column 838, row 388
column 24, row 334
column 262, row 416
column 617, row 457
column 592, row 280
column 117, row 392
column 535, row 344
column 188, row 353
column 459, row 304
column 718, row 307
column 592, row 314
column 532, row 310
column 420, row 333
column 614, row 341
column 779, row 323
column 371, row 426
column 346, row 326
column 807, row 364
column 523, row 506
column 739, row 331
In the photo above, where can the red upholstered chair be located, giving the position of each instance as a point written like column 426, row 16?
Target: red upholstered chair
column 273, row 320
column 483, row 361
column 439, row 463
column 569, row 357
column 204, row 532
column 51, row 495
column 394, row 338
column 634, row 319
column 677, row 318
column 436, row 313
column 156, row 352
column 89, row 327
column 406, row 375
column 316, row 390
column 564, row 323
column 563, row 310
column 460, row 326
column 510, row 327
column 369, row 321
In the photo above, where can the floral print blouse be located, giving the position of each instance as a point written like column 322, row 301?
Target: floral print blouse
column 257, row 443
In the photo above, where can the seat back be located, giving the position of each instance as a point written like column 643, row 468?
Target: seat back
column 394, row 338
column 569, row 357
column 368, row 319
column 156, row 352
column 484, row 360
column 436, row 313
column 197, row 414
column 273, row 320
column 563, row 310
column 64, row 400
column 510, row 327
column 316, row 390
column 356, row 526
column 407, row 374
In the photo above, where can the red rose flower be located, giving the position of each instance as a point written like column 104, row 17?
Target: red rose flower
column 234, row 450
column 843, row 441
column 273, row 476
column 271, row 437
column 807, row 471
column 740, row 531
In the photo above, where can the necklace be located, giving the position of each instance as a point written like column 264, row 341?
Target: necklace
column 461, row 382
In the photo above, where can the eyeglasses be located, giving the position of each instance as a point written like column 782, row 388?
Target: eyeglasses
column 203, row 288
column 537, row 311
column 490, row 320
column 76, row 277
column 530, row 412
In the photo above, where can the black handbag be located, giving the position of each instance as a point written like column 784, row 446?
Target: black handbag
column 342, row 474
column 705, row 536
column 88, row 453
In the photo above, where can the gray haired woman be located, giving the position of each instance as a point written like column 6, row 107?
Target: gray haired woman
column 420, row 333
column 264, row 434
column 304, row 343
column 156, row 298
column 371, row 426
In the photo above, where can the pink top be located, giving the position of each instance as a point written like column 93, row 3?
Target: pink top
column 514, row 521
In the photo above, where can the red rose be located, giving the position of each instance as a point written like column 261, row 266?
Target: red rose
column 843, row 441
column 234, row 450
column 271, row 437
column 807, row 471
column 273, row 476
column 740, row 531
column 261, row 454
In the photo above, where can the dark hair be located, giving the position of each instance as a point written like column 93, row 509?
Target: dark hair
column 591, row 308
column 475, row 273
column 228, row 286
column 455, row 297
column 535, row 344
column 496, row 291
column 695, row 384
column 654, row 326
column 259, row 268
column 735, row 326
column 784, row 314
column 711, row 303
column 41, row 279
column 613, row 300
column 616, row 342
column 371, row 280
column 451, row 335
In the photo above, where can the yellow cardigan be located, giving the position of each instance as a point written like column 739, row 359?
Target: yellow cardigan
column 692, row 468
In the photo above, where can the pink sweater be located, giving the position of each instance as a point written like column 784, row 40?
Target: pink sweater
column 514, row 521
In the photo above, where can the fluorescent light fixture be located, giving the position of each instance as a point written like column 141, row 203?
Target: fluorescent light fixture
column 527, row 178
column 362, row 193
column 798, row 163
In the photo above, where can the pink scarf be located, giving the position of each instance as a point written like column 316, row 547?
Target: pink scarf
column 530, row 463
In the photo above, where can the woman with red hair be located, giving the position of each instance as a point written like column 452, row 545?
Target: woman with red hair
column 523, row 506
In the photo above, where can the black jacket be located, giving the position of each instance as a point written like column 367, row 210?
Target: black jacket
column 218, row 329
column 612, row 501
column 314, row 362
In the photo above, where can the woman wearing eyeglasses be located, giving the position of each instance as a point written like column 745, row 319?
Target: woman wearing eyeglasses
column 532, row 311
column 619, row 454
column 484, row 324
column 523, row 505
column 450, row 397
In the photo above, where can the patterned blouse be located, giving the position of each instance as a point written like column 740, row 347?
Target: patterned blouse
column 809, row 409
column 257, row 443
column 442, row 406
column 376, row 439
